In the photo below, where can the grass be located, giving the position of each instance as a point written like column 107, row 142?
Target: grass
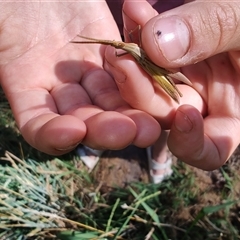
column 42, row 197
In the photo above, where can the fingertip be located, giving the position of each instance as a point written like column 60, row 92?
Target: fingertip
column 54, row 134
column 109, row 130
column 186, row 138
column 198, row 142
column 187, row 119
column 136, row 13
column 191, row 33
column 62, row 134
column 166, row 39
column 148, row 129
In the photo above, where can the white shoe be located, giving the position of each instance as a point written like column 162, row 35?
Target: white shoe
column 89, row 156
column 153, row 165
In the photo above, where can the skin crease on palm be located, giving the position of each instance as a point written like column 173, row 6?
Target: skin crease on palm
column 205, row 129
column 59, row 92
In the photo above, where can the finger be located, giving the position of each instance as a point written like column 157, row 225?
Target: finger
column 40, row 124
column 132, row 18
column 109, row 130
column 102, row 90
column 143, row 11
column 192, row 32
column 205, row 144
column 36, row 111
column 97, row 92
column 51, row 133
column 54, row 134
column 146, row 94
column 148, row 129
column 136, row 87
column 104, row 93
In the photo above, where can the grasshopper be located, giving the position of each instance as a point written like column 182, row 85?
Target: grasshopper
column 161, row 75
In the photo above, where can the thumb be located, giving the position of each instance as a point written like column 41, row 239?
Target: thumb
column 203, row 143
column 192, row 32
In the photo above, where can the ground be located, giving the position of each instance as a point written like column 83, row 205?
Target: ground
column 118, row 168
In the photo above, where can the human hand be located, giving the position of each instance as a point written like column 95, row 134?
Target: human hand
column 59, row 92
column 205, row 39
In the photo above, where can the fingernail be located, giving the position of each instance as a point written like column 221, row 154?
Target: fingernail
column 172, row 36
column 71, row 147
column 118, row 75
column 182, row 122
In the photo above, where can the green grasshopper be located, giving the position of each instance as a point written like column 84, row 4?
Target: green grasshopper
column 159, row 74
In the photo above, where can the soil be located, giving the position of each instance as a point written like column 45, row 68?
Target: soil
column 118, row 168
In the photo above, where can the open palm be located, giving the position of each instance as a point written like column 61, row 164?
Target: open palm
column 59, row 92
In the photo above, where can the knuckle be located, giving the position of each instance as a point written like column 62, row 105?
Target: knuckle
column 224, row 22
column 218, row 23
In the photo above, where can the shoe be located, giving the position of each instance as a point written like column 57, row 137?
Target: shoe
column 153, row 165
column 89, row 156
